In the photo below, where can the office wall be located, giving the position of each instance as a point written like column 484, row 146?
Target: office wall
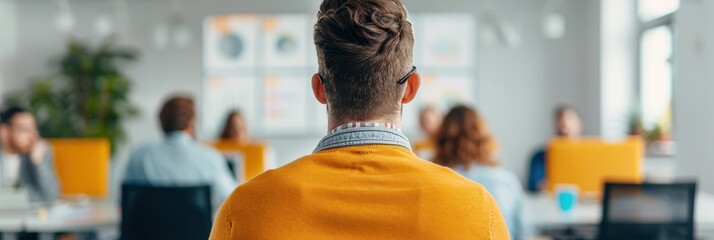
column 517, row 87
column 693, row 98
column 8, row 43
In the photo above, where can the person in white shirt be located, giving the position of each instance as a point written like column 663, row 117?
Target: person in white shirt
column 26, row 161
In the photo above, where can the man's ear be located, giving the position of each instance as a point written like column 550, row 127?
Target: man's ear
column 191, row 128
column 413, row 84
column 318, row 89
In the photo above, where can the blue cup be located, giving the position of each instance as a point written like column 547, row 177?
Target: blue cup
column 567, row 196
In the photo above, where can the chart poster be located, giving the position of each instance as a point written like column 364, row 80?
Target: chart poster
column 285, row 109
column 230, row 41
column 445, row 91
column 223, row 94
column 446, row 40
column 286, row 40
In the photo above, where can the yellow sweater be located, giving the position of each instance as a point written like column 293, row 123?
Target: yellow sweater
column 360, row 192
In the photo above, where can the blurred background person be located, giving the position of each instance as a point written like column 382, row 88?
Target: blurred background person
column 567, row 125
column 429, row 122
column 180, row 159
column 464, row 143
column 26, row 161
column 235, row 128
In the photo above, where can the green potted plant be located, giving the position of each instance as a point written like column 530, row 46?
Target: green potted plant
column 86, row 96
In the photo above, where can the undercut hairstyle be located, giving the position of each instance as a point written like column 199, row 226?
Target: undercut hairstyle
column 176, row 114
column 363, row 48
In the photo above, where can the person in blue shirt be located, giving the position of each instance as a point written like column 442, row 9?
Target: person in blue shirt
column 465, row 144
column 179, row 160
column 567, row 125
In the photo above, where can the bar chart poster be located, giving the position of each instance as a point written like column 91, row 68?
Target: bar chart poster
column 446, row 91
column 285, row 99
column 223, row 94
column 446, row 40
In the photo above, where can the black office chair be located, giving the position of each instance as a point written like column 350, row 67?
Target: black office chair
column 151, row 212
column 648, row 211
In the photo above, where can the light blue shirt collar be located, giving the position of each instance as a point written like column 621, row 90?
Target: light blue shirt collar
column 178, row 136
column 364, row 136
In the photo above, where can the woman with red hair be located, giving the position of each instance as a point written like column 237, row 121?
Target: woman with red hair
column 465, row 144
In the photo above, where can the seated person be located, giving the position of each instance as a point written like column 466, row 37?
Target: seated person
column 235, row 128
column 429, row 122
column 180, row 160
column 465, row 144
column 567, row 125
column 26, row 161
column 362, row 181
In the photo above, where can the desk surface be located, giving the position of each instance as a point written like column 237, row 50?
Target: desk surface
column 542, row 211
column 93, row 217
column 11, row 221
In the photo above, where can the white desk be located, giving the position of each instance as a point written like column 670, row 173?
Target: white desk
column 542, row 211
column 92, row 218
column 11, row 223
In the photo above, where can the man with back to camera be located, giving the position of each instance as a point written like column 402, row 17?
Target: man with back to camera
column 26, row 161
column 179, row 160
column 362, row 181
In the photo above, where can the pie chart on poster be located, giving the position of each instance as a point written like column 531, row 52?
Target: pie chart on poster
column 286, row 44
column 230, row 46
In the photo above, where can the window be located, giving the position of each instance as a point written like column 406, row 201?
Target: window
column 656, row 67
column 656, row 76
column 652, row 9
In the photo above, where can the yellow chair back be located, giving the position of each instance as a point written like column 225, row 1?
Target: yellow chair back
column 588, row 163
column 254, row 154
column 82, row 166
column 425, row 149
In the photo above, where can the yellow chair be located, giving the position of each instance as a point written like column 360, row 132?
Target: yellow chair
column 255, row 156
column 425, row 149
column 82, row 166
column 588, row 163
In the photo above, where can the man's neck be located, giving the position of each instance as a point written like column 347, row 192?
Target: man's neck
column 334, row 124
column 5, row 147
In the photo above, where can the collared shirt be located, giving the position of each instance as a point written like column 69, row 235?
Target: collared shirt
column 39, row 180
column 10, row 170
column 356, row 134
column 379, row 190
column 181, row 161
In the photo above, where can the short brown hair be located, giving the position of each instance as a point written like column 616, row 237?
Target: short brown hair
column 562, row 109
column 363, row 47
column 464, row 139
column 177, row 113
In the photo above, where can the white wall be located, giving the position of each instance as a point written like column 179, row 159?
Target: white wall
column 694, row 85
column 517, row 88
column 8, row 43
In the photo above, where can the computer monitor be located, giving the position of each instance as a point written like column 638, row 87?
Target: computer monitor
column 648, row 211
column 588, row 163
